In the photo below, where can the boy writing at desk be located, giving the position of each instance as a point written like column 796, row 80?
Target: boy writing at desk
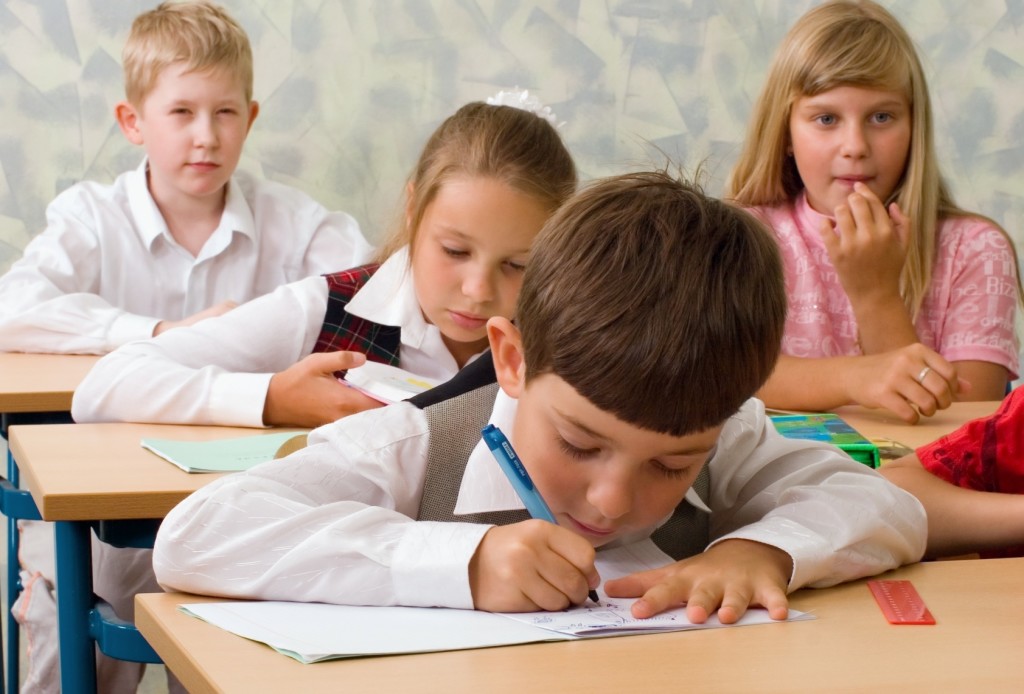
column 648, row 317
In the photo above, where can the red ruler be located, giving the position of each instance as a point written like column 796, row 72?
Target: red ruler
column 900, row 602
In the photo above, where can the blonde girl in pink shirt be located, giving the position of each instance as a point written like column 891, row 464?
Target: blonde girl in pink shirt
column 897, row 297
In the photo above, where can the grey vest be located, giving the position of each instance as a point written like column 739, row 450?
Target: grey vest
column 455, row 426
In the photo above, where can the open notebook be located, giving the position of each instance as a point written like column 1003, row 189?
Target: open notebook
column 310, row 632
column 222, row 455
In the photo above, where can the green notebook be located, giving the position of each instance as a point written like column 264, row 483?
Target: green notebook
column 220, row 455
column 830, row 428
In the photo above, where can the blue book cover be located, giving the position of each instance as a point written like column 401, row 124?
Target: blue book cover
column 830, row 428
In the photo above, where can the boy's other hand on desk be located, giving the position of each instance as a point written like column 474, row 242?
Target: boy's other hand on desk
column 530, row 566
column 730, row 577
column 215, row 310
column 308, row 394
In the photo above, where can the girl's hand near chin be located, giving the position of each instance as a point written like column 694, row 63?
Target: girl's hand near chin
column 868, row 246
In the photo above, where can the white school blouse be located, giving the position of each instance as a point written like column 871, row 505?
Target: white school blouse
column 218, row 370
column 333, row 522
column 106, row 270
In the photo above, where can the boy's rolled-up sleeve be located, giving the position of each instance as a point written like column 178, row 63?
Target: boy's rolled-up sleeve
column 331, row 523
column 838, row 519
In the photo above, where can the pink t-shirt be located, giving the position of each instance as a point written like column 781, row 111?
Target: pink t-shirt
column 968, row 312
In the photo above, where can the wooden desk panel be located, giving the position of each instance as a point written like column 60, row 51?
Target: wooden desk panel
column 975, row 646
column 101, row 472
column 40, row 382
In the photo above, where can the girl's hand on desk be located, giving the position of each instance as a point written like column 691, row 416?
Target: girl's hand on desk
column 308, row 394
column 909, row 382
column 729, row 578
column 530, row 566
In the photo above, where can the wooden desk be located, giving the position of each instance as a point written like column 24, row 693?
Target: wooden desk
column 975, row 646
column 883, row 424
column 86, row 472
column 79, row 473
column 40, row 382
column 100, row 472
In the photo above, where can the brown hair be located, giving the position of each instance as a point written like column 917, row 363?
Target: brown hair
column 655, row 302
column 858, row 43
column 516, row 147
column 197, row 33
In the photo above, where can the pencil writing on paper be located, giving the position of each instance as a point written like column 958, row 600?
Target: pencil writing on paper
column 513, row 468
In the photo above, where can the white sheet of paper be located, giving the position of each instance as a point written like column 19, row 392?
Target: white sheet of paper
column 310, row 632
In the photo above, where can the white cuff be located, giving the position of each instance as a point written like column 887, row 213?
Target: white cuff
column 236, row 399
column 129, row 327
column 431, row 564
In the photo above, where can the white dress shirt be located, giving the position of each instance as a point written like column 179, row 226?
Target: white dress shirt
column 106, row 269
column 333, row 522
column 218, row 370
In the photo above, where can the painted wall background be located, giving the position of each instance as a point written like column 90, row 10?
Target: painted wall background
column 350, row 89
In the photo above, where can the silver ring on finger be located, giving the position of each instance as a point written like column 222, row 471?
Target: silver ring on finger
column 923, row 375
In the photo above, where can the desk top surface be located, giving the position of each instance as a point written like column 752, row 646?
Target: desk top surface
column 975, row 645
column 40, row 382
column 883, row 424
column 101, row 472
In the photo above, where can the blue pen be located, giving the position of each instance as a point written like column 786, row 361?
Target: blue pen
column 516, row 472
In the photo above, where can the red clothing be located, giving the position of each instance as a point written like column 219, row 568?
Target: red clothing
column 986, row 454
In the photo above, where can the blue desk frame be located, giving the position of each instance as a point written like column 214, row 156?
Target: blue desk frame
column 83, row 621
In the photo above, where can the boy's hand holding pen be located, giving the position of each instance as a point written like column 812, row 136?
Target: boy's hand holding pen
column 535, row 565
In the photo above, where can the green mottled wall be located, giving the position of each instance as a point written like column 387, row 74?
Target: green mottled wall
column 350, row 89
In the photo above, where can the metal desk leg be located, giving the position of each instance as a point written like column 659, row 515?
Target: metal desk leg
column 74, row 601
column 12, row 657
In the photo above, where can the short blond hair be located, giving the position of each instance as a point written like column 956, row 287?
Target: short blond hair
column 198, row 33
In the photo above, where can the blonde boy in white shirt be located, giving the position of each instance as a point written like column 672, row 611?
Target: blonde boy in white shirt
column 181, row 238
column 184, row 236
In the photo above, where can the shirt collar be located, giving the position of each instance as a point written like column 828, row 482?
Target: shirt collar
column 484, row 485
column 389, row 298
column 150, row 223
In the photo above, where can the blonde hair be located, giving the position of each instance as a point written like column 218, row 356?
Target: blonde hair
column 197, row 33
column 849, row 43
column 508, row 144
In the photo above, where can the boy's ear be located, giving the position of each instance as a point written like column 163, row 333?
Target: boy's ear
column 128, row 120
column 254, row 110
column 507, row 351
